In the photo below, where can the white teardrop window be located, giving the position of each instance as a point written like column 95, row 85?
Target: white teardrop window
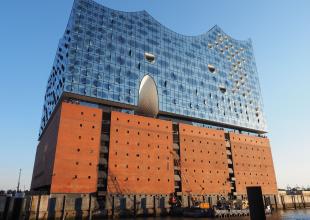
column 148, row 97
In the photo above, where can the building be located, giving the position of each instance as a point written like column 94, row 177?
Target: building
column 133, row 108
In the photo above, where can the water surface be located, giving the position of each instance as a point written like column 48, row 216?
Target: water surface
column 300, row 214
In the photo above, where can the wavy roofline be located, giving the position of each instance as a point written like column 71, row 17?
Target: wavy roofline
column 248, row 40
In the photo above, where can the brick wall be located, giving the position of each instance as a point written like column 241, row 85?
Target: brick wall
column 204, row 166
column 253, row 165
column 45, row 154
column 68, row 152
column 77, row 152
column 140, row 155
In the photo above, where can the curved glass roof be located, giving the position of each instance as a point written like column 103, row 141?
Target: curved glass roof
column 210, row 77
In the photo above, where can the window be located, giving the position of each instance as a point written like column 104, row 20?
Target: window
column 211, row 68
column 149, row 57
column 222, row 89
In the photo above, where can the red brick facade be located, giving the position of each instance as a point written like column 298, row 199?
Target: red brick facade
column 204, row 166
column 44, row 160
column 75, row 150
column 140, row 155
column 253, row 165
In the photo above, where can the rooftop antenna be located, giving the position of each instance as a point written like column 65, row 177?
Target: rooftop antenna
column 18, row 183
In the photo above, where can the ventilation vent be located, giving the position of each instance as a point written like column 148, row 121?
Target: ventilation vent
column 149, row 57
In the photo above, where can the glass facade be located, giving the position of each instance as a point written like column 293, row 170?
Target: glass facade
column 105, row 53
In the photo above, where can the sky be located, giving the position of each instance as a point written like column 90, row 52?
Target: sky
column 279, row 29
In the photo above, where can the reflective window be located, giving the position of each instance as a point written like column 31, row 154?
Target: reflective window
column 105, row 53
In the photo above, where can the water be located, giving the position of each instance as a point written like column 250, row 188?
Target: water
column 301, row 214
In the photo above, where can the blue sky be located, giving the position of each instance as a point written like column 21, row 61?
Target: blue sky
column 280, row 31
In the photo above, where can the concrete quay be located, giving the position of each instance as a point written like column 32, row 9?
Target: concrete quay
column 86, row 206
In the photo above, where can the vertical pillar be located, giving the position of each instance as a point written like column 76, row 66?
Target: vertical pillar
column 275, row 201
column 154, row 204
column 38, row 207
column 18, row 208
column 134, row 205
column 294, row 202
column 113, row 206
column 7, row 207
column 264, row 200
column 256, row 203
column 283, row 202
column 210, row 201
column 90, row 207
column 63, row 212
column 303, row 200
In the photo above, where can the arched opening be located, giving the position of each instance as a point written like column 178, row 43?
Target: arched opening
column 211, row 68
column 149, row 57
column 148, row 97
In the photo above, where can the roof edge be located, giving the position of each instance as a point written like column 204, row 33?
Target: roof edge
column 144, row 12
